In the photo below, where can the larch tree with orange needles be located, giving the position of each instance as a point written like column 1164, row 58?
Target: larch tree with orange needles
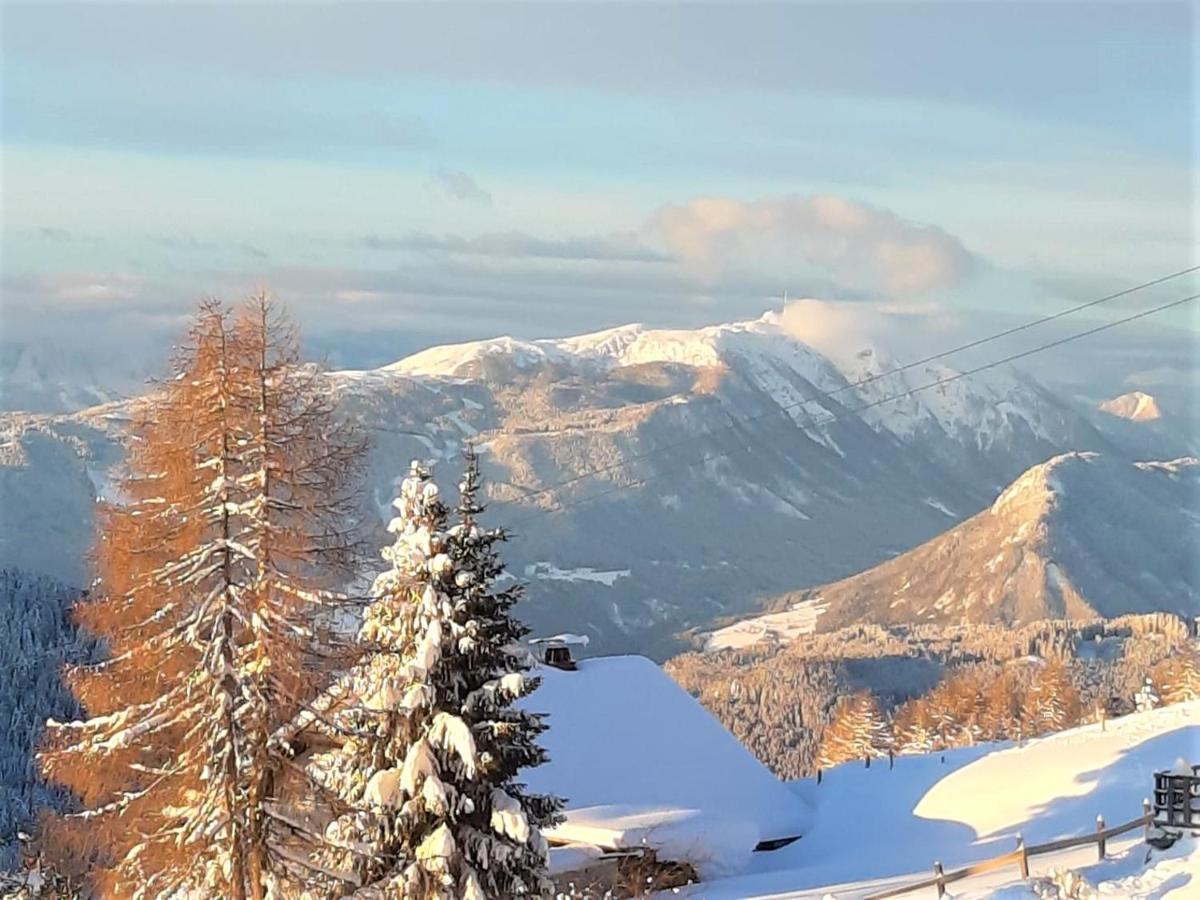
column 235, row 517
column 858, row 731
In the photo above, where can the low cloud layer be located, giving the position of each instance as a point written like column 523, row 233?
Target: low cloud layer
column 519, row 245
column 863, row 246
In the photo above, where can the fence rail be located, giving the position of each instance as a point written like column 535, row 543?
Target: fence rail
column 1020, row 856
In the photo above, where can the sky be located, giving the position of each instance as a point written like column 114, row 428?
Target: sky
column 405, row 175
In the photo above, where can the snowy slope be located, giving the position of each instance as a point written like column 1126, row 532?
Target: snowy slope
column 636, row 757
column 1079, row 536
column 878, row 827
column 721, row 481
column 798, row 619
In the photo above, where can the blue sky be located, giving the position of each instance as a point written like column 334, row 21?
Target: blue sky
column 410, row 174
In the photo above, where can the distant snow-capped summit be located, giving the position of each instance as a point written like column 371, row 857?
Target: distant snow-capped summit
column 1135, row 406
column 625, row 345
column 811, row 385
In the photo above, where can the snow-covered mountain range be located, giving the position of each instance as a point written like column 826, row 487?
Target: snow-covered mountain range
column 733, row 463
column 1080, row 536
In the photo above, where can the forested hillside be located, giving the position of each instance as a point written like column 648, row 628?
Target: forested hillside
column 36, row 636
column 936, row 687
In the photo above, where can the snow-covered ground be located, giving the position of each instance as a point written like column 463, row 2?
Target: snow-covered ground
column 800, row 618
column 1172, row 874
column 549, row 572
column 878, row 828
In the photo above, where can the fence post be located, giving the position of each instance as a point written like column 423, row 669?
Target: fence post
column 1024, row 859
column 941, row 879
column 1100, row 842
column 867, row 760
column 1146, row 813
column 818, row 776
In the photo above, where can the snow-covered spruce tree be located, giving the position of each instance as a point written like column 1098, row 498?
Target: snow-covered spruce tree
column 1147, row 699
column 431, row 753
column 209, row 575
column 389, row 697
column 504, row 844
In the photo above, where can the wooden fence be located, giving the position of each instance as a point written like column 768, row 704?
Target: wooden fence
column 1020, row 856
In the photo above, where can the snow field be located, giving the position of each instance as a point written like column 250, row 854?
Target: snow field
column 876, row 828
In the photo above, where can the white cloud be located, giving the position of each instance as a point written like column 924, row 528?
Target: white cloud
column 842, row 328
column 462, row 186
column 864, row 247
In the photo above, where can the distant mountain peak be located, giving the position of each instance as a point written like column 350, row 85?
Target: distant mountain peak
column 1136, row 406
column 610, row 348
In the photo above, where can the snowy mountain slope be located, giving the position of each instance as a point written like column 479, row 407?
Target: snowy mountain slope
column 1079, row 536
column 719, row 486
column 970, row 807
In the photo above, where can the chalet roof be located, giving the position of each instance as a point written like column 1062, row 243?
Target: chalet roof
column 634, row 754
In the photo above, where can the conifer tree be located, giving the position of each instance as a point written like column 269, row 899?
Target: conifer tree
column 431, row 757
column 390, row 697
column 511, row 857
column 1147, row 697
column 210, row 574
column 914, row 728
column 1179, row 676
column 1002, row 707
column 1052, row 701
column 858, row 731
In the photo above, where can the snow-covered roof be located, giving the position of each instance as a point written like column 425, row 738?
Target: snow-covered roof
column 580, row 640
column 635, row 756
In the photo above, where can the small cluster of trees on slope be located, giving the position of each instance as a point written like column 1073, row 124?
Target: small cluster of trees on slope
column 227, row 643
column 866, row 691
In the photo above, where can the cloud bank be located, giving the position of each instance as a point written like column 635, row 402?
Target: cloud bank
column 863, row 246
